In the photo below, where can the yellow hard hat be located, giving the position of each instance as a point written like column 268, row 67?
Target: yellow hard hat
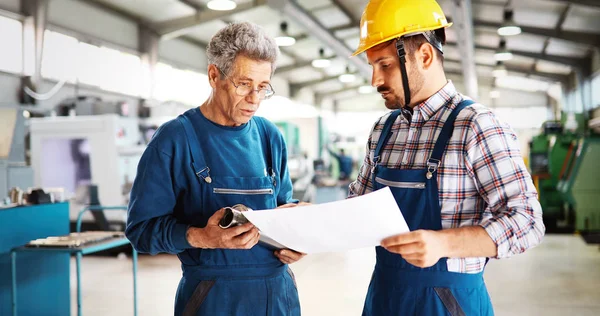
column 384, row 20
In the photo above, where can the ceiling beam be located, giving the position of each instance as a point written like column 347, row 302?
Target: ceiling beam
column 569, row 61
column 558, row 27
column 292, row 9
column 294, row 66
column 334, row 92
column 343, row 27
column 126, row 15
column 304, row 84
column 547, row 75
column 112, row 9
column 192, row 5
column 589, row 3
column 341, row 7
column 574, row 37
column 181, row 26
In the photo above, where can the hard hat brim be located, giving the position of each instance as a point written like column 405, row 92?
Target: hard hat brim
column 365, row 48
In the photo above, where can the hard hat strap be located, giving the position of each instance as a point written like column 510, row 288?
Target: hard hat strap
column 402, row 55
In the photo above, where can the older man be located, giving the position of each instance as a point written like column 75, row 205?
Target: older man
column 210, row 157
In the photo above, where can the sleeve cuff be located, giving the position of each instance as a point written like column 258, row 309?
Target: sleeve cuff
column 497, row 232
column 179, row 237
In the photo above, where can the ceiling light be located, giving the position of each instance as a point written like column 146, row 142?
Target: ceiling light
column 509, row 30
column 321, row 62
column 221, row 5
column 494, row 94
column 509, row 27
column 499, row 70
column 366, row 89
column 285, row 41
column 503, row 54
column 347, row 78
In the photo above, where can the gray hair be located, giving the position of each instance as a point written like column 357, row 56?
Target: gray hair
column 241, row 38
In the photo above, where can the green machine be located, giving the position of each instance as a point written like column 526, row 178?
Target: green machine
column 581, row 184
column 291, row 134
column 548, row 156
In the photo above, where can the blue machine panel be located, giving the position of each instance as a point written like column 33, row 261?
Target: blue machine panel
column 42, row 278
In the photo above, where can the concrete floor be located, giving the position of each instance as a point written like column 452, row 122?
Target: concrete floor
column 560, row 277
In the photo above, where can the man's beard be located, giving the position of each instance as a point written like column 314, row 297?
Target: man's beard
column 396, row 101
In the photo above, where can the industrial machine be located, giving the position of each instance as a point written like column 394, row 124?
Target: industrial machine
column 580, row 184
column 14, row 172
column 548, row 156
column 94, row 158
column 564, row 165
column 299, row 166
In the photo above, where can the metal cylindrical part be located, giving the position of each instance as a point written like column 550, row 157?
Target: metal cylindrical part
column 233, row 216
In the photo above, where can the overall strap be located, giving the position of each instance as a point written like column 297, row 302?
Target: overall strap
column 198, row 163
column 383, row 139
column 269, row 155
column 444, row 137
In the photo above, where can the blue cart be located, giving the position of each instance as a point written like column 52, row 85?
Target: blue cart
column 79, row 252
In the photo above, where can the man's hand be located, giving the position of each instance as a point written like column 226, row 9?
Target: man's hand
column 289, row 256
column 421, row 248
column 212, row 236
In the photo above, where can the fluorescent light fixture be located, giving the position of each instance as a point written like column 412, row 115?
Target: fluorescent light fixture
column 285, row 41
column 503, row 55
column 509, row 27
column 494, row 94
column 347, row 78
column 366, row 89
column 499, row 70
column 321, row 63
column 509, row 30
column 221, row 5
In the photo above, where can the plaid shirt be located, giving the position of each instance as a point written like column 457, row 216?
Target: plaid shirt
column 482, row 178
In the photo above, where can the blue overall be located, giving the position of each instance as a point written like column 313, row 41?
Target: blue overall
column 399, row 288
column 232, row 281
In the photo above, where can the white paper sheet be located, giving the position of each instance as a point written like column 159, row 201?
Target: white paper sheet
column 337, row 226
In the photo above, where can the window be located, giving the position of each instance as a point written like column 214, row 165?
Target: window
column 121, row 72
column 595, row 86
column 60, row 56
column 11, row 37
column 185, row 86
column 522, row 118
column 65, row 58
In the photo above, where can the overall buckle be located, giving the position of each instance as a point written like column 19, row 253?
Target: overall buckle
column 432, row 166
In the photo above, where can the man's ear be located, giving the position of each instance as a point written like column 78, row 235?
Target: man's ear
column 426, row 55
column 213, row 75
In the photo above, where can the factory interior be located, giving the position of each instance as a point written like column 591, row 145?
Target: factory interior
column 86, row 84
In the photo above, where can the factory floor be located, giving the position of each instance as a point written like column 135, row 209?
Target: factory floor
column 560, row 277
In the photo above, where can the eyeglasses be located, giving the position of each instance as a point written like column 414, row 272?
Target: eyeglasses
column 245, row 89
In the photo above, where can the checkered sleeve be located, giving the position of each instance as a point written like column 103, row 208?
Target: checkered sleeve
column 364, row 183
column 513, row 217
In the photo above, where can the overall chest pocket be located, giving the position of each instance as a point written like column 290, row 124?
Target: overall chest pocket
column 257, row 193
